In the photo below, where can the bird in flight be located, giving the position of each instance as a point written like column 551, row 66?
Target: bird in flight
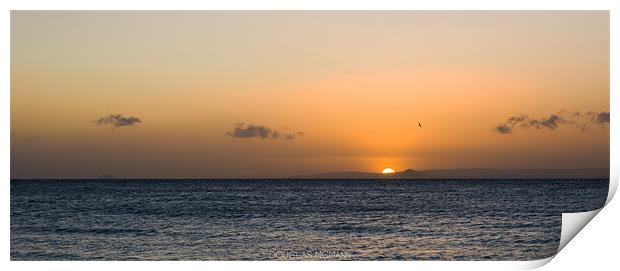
column 419, row 124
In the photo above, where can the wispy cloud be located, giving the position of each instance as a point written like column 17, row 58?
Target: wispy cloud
column 241, row 130
column 33, row 138
column 553, row 121
column 118, row 120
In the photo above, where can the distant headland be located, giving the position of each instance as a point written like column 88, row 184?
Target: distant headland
column 466, row 173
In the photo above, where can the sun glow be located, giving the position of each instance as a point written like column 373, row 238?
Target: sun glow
column 388, row 170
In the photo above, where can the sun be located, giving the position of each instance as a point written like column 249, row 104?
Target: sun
column 388, row 170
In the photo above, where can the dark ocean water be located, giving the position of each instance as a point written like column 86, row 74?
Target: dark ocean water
column 294, row 219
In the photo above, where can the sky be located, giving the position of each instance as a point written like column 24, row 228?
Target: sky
column 275, row 94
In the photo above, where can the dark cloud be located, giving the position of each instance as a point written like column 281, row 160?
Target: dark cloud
column 550, row 122
column 118, row 121
column 503, row 129
column 600, row 117
column 242, row 130
column 553, row 121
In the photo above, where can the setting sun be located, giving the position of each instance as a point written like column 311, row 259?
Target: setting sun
column 388, row 170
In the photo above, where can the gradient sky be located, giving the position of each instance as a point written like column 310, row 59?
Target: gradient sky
column 355, row 83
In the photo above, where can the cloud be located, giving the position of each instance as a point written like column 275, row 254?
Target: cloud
column 118, row 121
column 600, row 117
column 241, row 130
column 29, row 139
column 553, row 121
column 503, row 129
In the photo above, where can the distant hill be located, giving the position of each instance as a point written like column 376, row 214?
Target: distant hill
column 467, row 173
column 407, row 174
column 520, row 173
column 106, row 177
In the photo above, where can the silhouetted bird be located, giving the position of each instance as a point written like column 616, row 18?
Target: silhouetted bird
column 419, row 124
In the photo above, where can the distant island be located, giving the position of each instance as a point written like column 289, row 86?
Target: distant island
column 467, row 173
column 106, row 177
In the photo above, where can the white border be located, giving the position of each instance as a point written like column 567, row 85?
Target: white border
column 283, row 5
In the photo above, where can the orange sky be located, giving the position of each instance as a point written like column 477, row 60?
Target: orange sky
column 355, row 83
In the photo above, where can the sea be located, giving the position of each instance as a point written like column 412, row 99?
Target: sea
column 469, row 219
